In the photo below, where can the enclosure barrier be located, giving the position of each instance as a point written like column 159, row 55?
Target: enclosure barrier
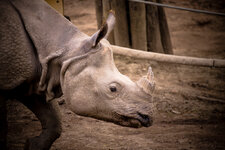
column 184, row 60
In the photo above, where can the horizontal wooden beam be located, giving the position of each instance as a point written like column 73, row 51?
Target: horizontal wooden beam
column 184, row 60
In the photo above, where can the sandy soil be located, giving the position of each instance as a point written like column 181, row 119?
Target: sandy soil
column 189, row 101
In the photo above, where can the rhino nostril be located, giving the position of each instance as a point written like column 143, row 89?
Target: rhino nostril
column 145, row 120
column 144, row 116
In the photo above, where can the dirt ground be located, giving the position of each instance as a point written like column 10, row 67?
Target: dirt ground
column 189, row 101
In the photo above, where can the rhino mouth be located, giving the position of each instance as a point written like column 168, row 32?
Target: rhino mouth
column 138, row 120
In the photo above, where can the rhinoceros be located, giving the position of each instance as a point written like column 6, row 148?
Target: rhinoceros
column 44, row 56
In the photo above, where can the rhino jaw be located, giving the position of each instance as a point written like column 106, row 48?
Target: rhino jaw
column 135, row 120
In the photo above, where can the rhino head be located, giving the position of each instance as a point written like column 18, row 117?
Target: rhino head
column 93, row 86
column 82, row 68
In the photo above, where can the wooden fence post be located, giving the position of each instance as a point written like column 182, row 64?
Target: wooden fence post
column 164, row 31
column 138, row 25
column 153, row 33
column 98, row 10
column 121, row 30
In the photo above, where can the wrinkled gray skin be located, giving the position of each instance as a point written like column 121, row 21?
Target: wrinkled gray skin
column 42, row 56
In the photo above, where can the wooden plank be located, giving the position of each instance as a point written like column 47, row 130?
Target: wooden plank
column 121, row 30
column 164, row 31
column 138, row 25
column 98, row 11
column 153, row 34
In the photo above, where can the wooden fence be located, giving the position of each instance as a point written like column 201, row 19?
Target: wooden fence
column 138, row 26
column 144, row 27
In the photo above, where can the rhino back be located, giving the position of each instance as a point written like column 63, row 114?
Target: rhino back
column 17, row 57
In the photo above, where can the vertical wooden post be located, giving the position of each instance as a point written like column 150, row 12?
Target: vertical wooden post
column 164, row 31
column 106, row 7
column 98, row 10
column 121, row 30
column 153, row 33
column 138, row 25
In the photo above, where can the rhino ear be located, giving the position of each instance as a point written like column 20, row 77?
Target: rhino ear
column 105, row 30
column 111, row 20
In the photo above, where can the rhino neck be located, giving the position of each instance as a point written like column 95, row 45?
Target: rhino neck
column 48, row 29
column 53, row 37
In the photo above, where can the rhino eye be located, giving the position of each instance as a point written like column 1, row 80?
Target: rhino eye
column 113, row 89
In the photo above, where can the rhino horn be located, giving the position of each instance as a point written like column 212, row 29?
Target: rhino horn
column 147, row 83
